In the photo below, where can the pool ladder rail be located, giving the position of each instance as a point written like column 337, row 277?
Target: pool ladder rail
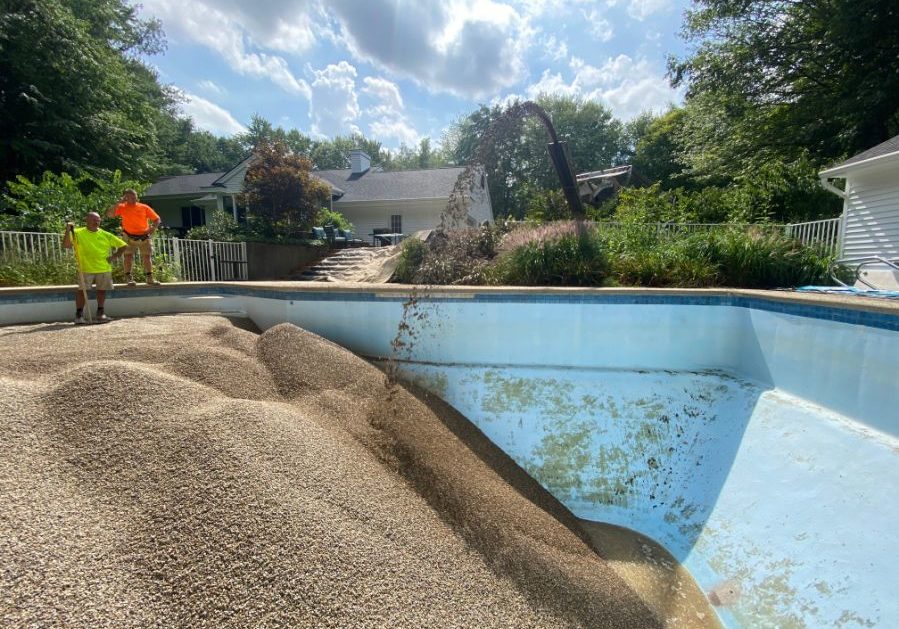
column 859, row 264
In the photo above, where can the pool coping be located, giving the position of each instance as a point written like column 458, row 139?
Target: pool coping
column 853, row 302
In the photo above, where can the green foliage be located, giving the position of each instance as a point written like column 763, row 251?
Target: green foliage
column 734, row 257
column 633, row 255
column 75, row 97
column 569, row 260
column 220, row 226
column 48, row 204
column 778, row 78
column 18, row 270
column 332, row 217
column 452, row 257
column 548, row 205
column 516, row 160
column 280, row 191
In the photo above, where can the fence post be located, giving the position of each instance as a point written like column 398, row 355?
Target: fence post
column 245, row 267
column 211, row 259
column 176, row 255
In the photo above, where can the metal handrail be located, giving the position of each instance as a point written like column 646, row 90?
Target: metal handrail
column 859, row 264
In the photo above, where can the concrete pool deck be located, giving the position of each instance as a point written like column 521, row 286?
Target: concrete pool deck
column 753, row 433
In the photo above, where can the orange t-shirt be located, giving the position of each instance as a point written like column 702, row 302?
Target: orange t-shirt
column 135, row 217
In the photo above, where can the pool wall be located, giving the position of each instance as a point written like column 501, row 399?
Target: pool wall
column 754, row 434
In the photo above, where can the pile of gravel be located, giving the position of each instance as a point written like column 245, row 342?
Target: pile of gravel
column 182, row 471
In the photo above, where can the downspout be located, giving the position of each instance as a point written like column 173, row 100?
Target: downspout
column 825, row 183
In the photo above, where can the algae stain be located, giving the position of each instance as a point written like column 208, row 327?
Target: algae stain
column 561, row 458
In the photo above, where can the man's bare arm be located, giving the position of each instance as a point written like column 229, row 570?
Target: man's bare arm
column 67, row 237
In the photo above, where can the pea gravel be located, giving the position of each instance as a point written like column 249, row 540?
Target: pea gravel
column 183, row 471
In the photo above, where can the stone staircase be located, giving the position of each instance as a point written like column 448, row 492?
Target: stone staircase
column 342, row 265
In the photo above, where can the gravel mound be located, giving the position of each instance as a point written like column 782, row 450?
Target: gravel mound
column 181, row 471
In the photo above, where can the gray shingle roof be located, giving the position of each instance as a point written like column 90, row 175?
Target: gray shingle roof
column 181, row 185
column 382, row 186
column 884, row 148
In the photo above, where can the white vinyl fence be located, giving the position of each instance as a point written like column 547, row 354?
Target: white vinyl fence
column 824, row 233
column 192, row 260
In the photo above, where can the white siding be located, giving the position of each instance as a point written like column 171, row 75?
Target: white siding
column 366, row 216
column 234, row 183
column 871, row 226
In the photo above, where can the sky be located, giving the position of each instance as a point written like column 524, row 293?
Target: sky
column 401, row 70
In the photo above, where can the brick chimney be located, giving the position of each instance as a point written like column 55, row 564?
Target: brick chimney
column 359, row 161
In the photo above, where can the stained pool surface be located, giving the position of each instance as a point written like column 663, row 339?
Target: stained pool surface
column 753, row 435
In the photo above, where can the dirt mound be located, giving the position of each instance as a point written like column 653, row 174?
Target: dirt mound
column 142, row 485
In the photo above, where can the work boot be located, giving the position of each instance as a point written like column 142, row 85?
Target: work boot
column 130, row 281
column 152, row 281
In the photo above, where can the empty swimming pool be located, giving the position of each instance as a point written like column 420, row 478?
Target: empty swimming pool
column 753, row 434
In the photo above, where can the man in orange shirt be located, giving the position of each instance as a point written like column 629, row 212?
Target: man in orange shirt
column 139, row 221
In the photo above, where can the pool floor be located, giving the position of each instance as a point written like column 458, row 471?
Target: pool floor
column 694, row 460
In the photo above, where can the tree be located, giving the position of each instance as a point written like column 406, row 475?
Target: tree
column 656, row 148
column 790, row 77
column 73, row 95
column 281, row 192
column 515, row 148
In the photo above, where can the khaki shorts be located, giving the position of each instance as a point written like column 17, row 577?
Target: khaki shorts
column 145, row 247
column 100, row 281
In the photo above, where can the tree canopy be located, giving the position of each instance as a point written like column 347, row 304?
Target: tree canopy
column 73, row 97
column 280, row 190
column 795, row 77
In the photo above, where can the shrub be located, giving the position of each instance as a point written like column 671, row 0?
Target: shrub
column 568, row 260
column 16, row 270
column 47, row 204
column 328, row 217
column 449, row 257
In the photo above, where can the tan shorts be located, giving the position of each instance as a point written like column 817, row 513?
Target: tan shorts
column 100, row 281
column 145, row 247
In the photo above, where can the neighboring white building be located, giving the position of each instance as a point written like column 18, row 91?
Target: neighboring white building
column 372, row 200
column 870, row 221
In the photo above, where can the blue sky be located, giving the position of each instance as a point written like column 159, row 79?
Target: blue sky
column 401, row 70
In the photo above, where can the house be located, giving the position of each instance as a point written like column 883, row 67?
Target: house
column 870, row 220
column 404, row 201
column 184, row 201
column 400, row 202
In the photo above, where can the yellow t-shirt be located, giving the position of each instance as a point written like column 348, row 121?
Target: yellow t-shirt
column 93, row 248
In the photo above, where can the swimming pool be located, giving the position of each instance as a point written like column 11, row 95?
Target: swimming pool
column 754, row 434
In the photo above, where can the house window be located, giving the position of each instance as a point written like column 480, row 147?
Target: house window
column 192, row 216
column 396, row 223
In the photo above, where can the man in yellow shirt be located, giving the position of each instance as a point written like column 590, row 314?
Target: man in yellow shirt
column 139, row 221
column 92, row 248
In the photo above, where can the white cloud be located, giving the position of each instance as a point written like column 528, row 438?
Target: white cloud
column 471, row 48
column 389, row 121
column 210, row 86
column 397, row 129
column 599, row 27
column 384, row 91
column 555, row 49
column 642, row 9
column 334, row 105
column 209, row 116
column 627, row 86
column 221, row 27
